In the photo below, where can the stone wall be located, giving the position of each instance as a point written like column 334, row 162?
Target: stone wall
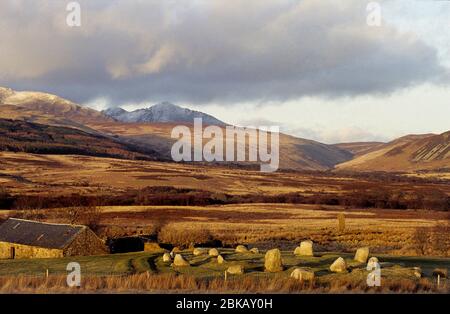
column 86, row 243
column 25, row 251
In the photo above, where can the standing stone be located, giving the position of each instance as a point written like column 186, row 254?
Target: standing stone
column 417, row 272
column 167, row 258
column 303, row 274
column 339, row 265
column 362, row 254
column 235, row 270
column 152, row 247
column 241, row 249
column 213, row 252
column 254, row 250
column 442, row 272
column 198, row 251
column 272, row 261
column 179, row 261
column 341, row 222
column 372, row 263
column 220, row 259
column 305, row 249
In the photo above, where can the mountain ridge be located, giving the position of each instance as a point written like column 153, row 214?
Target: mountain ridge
column 298, row 154
column 410, row 152
column 164, row 112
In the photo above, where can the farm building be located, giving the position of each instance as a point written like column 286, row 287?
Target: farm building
column 21, row 238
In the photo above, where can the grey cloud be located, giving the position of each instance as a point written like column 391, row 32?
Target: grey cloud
column 207, row 51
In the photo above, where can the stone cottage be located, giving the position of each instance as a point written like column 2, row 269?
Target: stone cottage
column 21, row 238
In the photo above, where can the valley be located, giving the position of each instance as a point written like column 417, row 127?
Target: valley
column 112, row 171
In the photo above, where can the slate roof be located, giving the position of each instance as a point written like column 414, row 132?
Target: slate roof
column 41, row 234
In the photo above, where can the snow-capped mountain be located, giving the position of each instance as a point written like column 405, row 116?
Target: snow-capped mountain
column 162, row 112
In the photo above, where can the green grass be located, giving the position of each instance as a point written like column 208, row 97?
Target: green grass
column 206, row 267
column 114, row 264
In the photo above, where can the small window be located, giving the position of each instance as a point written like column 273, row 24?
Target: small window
column 13, row 252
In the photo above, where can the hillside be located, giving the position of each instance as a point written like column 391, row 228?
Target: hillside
column 46, row 109
column 22, row 136
column 408, row 153
column 359, row 148
column 297, row 153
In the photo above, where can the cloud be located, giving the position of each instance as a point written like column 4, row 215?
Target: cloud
column 207, row 51
column 258, row 122
column 320, row 133
column 341, row 135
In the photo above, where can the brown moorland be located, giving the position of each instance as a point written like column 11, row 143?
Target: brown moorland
column 232, row 205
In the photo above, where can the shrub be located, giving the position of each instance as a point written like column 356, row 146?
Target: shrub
column 82, row 215
column 184, row 237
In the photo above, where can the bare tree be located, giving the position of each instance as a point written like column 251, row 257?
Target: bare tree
column 421, row 239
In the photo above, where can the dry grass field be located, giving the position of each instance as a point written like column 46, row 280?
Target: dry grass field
column 405, row 232
column 241, row 219
column 22, row 172
column 146, row 272
column 67, row 174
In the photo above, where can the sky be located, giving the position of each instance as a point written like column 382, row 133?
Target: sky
column 315, row 68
